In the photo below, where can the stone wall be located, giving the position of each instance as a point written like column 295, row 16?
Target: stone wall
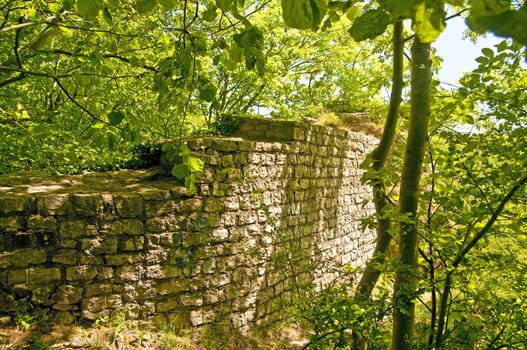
column 278, row 204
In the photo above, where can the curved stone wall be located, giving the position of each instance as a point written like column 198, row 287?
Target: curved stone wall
column 279, row 204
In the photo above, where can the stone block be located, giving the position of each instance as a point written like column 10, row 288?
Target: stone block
column 42, row 296
column 167, row 305
column 95, row 289
column 160, row 208
column 22, row 257
column 65, row 256
column 128, row 273
column 123, row 259
column 68, row 294
column 47, row 223
column 154, row 194
column 72, row 229
column 56, row 204
column 128, row 205
column 100, row 303
column 99, row 245
column 87, row 204
column 15, row 203
column 10, row 224
column 132, row 226
column 81, row 273
column 171, row 286
column 43, row 275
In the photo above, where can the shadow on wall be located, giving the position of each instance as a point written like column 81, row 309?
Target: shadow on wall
column 276, row 209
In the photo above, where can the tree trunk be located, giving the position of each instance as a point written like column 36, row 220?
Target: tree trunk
column 379, row 156
column 406, row 274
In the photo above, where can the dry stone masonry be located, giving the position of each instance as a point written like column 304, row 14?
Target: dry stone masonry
column 279, row 204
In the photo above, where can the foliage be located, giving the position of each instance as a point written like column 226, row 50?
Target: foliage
column 187, row 165
column 332, row 312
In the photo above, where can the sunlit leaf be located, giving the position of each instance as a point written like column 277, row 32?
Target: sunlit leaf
column 429, row 20
column 89, row 8
column 225, row 5
column 208, row 93
column 143, row 6
column 369, row 25
column 115, row 117
column 195, row 164
column 180, row 171
column 304, row 14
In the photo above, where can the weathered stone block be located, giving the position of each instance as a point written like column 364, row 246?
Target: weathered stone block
column 23, row 257
column 87, row 204
column 15, row 203
column 65, row 256
column 56, row 204
column 128, row 206
column 41, row 295
column 99, row 303
column 154, row 194
column 123, row 259
column 171, row 286
column 10, row 224
column 99, row 245
column 68, row 294
column 94, row 289
column 167, row 305
column 43, row 275
column 48, row 223
column 72, row 229
column 81, row 273
column 132, row 226
column 128, row 273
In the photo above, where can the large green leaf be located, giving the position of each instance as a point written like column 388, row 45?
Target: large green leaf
column 369, row 25
column 429, row 20
column 225, row 5
column 195, row 164
column 499, row 19
column 208, row 93
column 304, row 14
column 115, row 117
column 89, row 8
column 180, row 171
column 143, row 6
column 398, row 8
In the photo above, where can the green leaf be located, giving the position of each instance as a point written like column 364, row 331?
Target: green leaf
column 143, row 6
column 208, row 93
column 369, row 25
column 184, row 151
column 190, row 184
column 398, row 8
column 487, row 52
column 107, row 15
column 195, row 164
column 167, row 4
column 115, row 117
column 225, row 5
column 507, row 24
column 304, row 14
column 180, row 171
column 209, row 15
column 89, row 8
column 429, row 20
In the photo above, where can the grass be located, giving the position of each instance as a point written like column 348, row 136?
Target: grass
column 119, row 334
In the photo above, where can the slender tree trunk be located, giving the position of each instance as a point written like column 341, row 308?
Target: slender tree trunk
column 379, row 155
column 384, row 223
column 406, row 274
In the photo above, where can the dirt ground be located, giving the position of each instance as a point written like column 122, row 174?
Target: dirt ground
column 120, row 337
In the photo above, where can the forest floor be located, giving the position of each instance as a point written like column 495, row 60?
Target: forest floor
column 43, row 336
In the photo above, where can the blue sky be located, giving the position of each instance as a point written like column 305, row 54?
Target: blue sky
column 459, row 55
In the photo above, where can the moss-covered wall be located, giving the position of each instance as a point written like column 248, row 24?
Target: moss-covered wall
column 278, row 204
